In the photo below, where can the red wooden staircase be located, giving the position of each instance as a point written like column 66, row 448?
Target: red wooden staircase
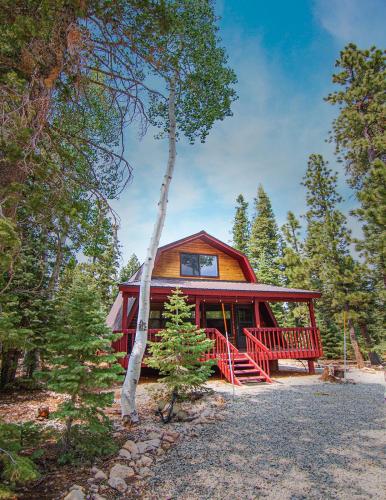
column 244, row 369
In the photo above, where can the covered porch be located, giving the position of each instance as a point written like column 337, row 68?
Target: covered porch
column 254, row 338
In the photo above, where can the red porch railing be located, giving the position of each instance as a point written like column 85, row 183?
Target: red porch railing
column 126, row 342
column 258, row 352
column 236, row 367
column 289, row 342
column 220, row 352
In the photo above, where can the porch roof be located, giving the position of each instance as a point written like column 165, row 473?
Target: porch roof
column 222, row 288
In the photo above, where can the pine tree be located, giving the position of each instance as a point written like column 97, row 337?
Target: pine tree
column 130, row 268
column 295, row 269
column 263, row 247
column 178, row 354
column 327, row 248
column 83, row 364
column 241, row 226
column 359, row 134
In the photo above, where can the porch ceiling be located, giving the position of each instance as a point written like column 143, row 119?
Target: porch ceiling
column 223, row 288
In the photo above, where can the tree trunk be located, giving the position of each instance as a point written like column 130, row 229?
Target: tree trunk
column 355, row 346
column 9, row 362
column 128, row 406
column 374, row 357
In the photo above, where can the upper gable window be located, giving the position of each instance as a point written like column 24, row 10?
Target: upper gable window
column 194, row 264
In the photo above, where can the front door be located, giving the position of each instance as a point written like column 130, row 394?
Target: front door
column 244, row 319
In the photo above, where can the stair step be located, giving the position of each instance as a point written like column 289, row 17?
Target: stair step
column 246, row 380
column 242, row 372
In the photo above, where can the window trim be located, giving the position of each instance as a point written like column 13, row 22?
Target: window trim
column 196, row 276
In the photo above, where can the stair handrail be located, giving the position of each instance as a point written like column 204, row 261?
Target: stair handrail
column 225, row 348
column 262, row 358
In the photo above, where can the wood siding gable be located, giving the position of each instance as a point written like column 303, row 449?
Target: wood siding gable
column 168, row 262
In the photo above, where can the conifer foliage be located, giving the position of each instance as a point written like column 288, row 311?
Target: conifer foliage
column 83, row 364
column 179, row 353
column 241, row 226
column 263, row 245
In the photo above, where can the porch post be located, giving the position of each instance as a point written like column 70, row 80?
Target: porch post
column 257, row 312
column 311, row 366
column 124, row 311
column 197, row 312
column 312, row 313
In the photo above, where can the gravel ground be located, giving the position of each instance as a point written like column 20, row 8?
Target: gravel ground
column 296, row 439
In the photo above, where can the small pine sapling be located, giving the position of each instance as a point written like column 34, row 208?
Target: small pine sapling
column 83, row 367
column 180, row 353
column 16, row 467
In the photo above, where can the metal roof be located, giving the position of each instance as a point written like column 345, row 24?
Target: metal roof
column 230, row 286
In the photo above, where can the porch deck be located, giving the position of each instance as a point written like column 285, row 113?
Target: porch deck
column 262, row 346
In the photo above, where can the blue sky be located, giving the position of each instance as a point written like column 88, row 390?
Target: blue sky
column 283, row 52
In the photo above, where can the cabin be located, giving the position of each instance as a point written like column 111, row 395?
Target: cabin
column 233, row 308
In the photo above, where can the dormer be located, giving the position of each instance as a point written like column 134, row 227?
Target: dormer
column 202, row 257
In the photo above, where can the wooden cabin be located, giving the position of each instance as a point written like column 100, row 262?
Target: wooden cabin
column 248, row 342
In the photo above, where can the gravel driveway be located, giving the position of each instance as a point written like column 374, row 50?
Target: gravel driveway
column 296, row 439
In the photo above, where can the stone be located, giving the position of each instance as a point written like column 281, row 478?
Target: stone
column 91, row 480
column 166, row 445
column 94, row 488
column 170, row 437
column 76, row 487
column 132, row 447
column 75, row 495
column 145, row 472
column 145, row 461
column 96, row 496
column 121, row 471
column 160, row 452
column 123, row 453
column 118, row 484
column 149, row 445
column 94, row 469
column 100, row 476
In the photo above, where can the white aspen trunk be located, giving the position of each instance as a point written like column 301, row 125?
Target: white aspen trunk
column 128, row 407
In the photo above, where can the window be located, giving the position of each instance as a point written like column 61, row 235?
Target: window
column 194, row 264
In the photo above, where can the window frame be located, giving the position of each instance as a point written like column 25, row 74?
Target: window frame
column 199, row 267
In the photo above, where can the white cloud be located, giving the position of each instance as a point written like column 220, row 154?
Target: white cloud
column 358, row 21
column 276, row 125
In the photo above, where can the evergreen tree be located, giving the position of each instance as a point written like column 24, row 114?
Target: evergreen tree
column 129, row 269
column 241, row 229
column 83, row 364
column 178, row 353
column 263, row 247
column 361, row 143
column 327, row 248
column 295, row 269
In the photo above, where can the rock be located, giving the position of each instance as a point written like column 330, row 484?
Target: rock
column 131, row 447
column 75, row 495
column 145, row 472
column 123, row 453
column 170, row 437
column 121, row 471
column 118, row 484
column 182, row 415
column 145, row 461
column 94, row 469
column 91, row 480
column 94, row 488
column 166, row 445
column 149, row 445
column 96, row 496
column 76, row 487
column 100, row 476
column 160, row 452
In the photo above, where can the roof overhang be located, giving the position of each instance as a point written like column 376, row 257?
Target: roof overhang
column 263, row 295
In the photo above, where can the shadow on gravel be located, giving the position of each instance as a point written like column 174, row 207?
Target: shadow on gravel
column 314, row 441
